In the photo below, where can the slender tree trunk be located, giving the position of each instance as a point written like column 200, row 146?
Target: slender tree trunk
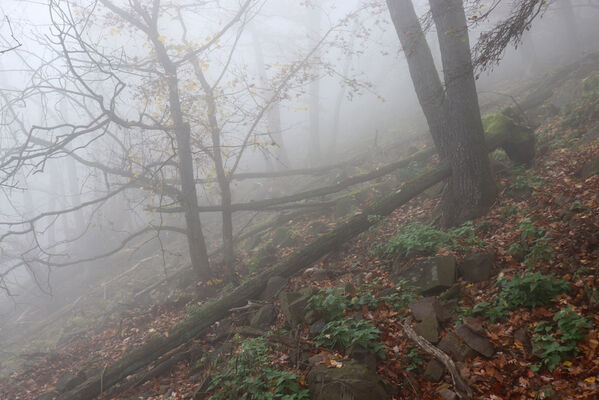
column 571, row 35
column 274, row 112
column 423, row 72
column 189, row 197
column 224, row 181
column 340, row 97
column 471, row 190
column 314, row 94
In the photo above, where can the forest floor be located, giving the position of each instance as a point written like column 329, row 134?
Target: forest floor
column 544, row 233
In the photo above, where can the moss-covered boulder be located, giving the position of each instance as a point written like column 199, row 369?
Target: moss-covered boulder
column 520, row 142
column 352, row 381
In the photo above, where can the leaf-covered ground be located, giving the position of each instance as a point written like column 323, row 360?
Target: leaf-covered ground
column 551, row 196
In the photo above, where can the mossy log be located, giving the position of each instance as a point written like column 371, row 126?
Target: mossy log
column 218, row 309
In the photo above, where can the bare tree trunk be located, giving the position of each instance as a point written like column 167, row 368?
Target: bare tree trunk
column 571, row 37
column 195, row 238
column 471, row 190
column 314, row 94
column 340, row 97
column 423, row 72
column 274, row 112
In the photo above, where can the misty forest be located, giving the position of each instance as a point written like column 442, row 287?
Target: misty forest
column 315, row 199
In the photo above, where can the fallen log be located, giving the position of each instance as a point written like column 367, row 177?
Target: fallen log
column 218, row 309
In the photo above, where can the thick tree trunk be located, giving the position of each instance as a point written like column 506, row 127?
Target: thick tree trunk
column 471, row 190
column 423, row 72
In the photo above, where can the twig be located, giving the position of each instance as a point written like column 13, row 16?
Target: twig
column 463, row 390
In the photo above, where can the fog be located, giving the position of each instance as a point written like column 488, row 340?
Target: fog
column 92, row 134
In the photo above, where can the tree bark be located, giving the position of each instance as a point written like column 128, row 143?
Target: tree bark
column 423, row 72
column 471, row 190
column 189, row 199
column 274, row 112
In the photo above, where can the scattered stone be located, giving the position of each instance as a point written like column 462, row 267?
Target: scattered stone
column 431, row 275
column 589, row 168
column 273, row 286
column 68, row 381
column 429, row 329
column 434, row 371
column 353, row 381
column 476, row 342
column 458, row 351
column 451, row 293
column 447, row 394
column 427, row 306
column 293, row 304
column 317, row 327
column 521, row 336
column 475, row 325
column 264, row 317
column 477, row 267
column 363, row 356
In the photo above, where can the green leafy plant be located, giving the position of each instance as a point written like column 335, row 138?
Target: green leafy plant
column 404, row 295
column 424, row 239
column 343, row 333
column 191, row 310
column 533, row 246
column 557, row 341
column 522, row 179
column 249, row 375
column 526, row 290
column 578, row 207
column 414, row 360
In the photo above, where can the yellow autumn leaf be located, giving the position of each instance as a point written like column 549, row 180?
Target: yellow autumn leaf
column 590, row 379
column 567, row 364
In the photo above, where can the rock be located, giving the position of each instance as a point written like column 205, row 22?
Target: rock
column 317, row 327
column 477, row 267
column 273, row 286
column 353, row 381
column 434, row 371
column 68, row 381
column 589, row 168
column 476, row 342
column 521, row 336
column 48, row 395
column 431, row 275
column 429, row 329
column 293, row 304
column 264, row 317
column 443, row 310
column 458, row 351
column 363, row 356
column 519, row 145
column 447, row 394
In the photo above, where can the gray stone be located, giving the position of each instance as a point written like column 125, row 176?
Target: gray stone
column 431, row 275
column 522, row 336
column 477, row 267
column 317, row 327
column 476, row 342
column 363, row 356
column 428, row 329
column 426, row 306
column 353, row 381
column 589, row 168
column 293, row 304
column 457, row 350
column 273, row 286
column 264, row 317
column 447, row 394
column 68, row 381
column 434, row 371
